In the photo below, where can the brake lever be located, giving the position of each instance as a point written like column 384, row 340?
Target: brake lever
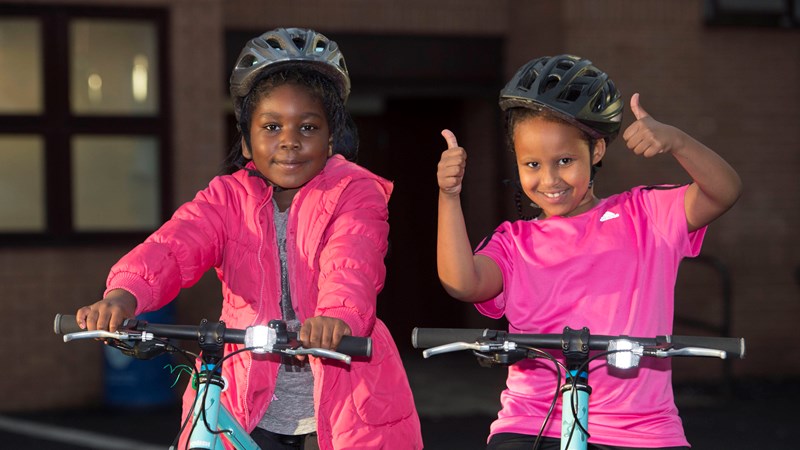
column 320, row 352
column 686, row 351
column 476, row 346
column 96, row 334
column 103, row 334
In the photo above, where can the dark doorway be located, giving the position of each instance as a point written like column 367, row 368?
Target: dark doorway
column 403, row 145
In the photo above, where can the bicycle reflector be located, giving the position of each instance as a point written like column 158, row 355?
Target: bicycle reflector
column 261, row 338
column 624, row 354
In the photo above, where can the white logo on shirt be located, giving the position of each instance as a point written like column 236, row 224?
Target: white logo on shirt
column 608, row 215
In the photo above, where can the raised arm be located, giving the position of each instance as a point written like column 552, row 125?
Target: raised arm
column 466, row 277
column 715, row 184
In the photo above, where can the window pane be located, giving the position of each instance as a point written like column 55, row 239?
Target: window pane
column 115, row 183
column 21, row 184
column 20, row 67
column 114, row 67
column 752, row 6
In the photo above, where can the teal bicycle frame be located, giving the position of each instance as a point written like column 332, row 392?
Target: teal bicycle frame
column 575, row 395
column 209, row 410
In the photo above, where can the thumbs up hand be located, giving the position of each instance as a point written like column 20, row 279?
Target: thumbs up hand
column 648, row 137
column 450, row 172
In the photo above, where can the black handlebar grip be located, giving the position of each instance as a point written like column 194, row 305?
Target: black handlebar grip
column 355, row 346
column 65, row 324
column 68, row 323
column 734, row 347
column 432, row 337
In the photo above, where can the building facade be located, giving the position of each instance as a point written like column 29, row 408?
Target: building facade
column 417, row 67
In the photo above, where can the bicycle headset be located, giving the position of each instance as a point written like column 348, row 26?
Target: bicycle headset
column 284, row 47
column 572, row 88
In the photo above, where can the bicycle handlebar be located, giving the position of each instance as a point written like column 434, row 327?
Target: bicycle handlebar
column 67, row 325
column 677, row 345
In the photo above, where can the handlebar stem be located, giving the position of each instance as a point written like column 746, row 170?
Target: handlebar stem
column 575, row 346
column 210, row 337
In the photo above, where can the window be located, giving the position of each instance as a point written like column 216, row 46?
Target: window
column 760, row 13
column 83, row 123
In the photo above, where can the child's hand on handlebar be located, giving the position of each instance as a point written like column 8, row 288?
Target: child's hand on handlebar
column 109, row 313
column 323, row 332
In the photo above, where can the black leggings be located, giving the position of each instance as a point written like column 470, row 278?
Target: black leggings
column 514, row 441
column 268, row 440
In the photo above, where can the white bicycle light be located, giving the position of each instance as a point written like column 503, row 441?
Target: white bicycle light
column 624, row 354
column 260, row 338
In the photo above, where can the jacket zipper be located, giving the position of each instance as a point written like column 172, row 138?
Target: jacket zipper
column 260, row 304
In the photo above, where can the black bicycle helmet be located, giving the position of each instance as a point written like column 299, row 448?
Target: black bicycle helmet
column 282, row 47
column 571, row 87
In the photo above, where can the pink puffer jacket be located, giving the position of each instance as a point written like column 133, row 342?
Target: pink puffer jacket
column 336, row 241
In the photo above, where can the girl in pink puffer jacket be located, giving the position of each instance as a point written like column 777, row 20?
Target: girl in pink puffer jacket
column 295, row 231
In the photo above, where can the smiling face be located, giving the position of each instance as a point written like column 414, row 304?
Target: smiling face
column 289, row 138
column 555, row 166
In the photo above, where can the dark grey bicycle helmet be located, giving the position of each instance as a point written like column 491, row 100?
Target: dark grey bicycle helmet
column 282, row 47
column 571, row 87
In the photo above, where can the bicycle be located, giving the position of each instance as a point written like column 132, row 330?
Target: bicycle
column 209, row 419
column 500, row 348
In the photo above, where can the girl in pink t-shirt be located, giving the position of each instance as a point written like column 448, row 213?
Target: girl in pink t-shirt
column 607, row 264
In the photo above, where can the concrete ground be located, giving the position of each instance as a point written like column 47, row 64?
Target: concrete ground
column 456, row 400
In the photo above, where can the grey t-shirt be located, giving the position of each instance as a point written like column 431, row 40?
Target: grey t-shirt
column 291, row 410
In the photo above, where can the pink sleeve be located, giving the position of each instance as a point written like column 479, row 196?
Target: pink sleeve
column 667, row 211
column 351, row 261
column 176, row 255
column 496, row 247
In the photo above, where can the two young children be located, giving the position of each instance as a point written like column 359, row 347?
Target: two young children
column 296, row 231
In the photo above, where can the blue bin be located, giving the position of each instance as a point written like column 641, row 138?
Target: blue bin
column 135, row 383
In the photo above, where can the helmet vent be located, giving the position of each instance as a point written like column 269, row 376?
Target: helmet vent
column 299, row 42
column 549, row 83
column 591, row 74
column 274, row 44
column 247, row 61
column 565, row 64
column 572, row 94
column 320, row 47
column 530, row 75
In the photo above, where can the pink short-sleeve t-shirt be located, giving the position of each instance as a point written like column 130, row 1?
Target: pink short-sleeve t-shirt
column 611, row 269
